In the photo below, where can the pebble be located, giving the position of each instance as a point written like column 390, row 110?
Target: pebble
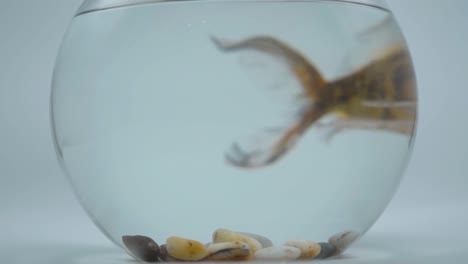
column 141, row 247
column 185, row 249
column 326, row 250
column 309, row 249
column 278, row 253
column 164, row 255
column 342, row 240
column 228, row 251
column 224, row 235
column 265, row 242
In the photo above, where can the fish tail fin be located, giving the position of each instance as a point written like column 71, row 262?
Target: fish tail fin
column 266, row 146
column 274, row 145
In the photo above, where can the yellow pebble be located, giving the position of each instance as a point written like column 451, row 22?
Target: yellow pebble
column 185, row 249
column 309, row 249
column 224, row 235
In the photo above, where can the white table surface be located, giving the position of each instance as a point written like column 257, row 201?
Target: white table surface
column 404, row 246
column 50, row 232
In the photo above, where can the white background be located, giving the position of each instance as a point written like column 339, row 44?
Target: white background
column 41, row 221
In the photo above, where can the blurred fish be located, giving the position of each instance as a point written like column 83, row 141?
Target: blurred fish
column 381, row 95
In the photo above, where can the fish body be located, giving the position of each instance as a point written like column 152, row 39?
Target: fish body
column 383, row 90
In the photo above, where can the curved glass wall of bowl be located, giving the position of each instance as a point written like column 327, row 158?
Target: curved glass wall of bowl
column 97, row 5
column 215, row 124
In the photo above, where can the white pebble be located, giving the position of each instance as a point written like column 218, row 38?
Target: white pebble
column 278, row 253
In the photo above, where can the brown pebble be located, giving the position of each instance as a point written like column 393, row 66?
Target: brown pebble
column 142, row 248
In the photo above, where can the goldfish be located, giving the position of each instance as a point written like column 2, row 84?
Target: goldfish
column 381, row 95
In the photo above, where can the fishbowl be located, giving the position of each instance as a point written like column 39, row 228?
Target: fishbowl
column 212, row 130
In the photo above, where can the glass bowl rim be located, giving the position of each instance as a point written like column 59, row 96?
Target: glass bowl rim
column 90, row 6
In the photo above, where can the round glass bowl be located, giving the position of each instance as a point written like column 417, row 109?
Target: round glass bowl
column 292, row 120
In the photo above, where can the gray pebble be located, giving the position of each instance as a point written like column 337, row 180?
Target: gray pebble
column 326, row 250
column 342, row 240
column 265, row 242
